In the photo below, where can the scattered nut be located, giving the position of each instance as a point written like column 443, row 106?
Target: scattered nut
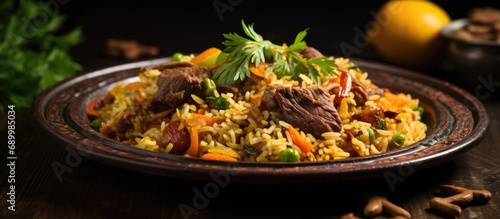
column 130, row 49
column 460, row 197
column 376, row 204
column 483, row 25
column 481, row 196
column 349, row 216
column 452, row 205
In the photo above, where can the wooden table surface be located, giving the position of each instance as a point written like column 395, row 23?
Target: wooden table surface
column 94, row 190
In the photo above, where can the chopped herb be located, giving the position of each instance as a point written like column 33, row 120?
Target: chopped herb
column 381, row 124
column 249, row 150
column 210, row 100
column 32, row 56
column 241, row 51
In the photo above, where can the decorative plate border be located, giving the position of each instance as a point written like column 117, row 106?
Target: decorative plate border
column 457, row 123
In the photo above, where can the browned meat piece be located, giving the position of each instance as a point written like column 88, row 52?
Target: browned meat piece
column 269, row 100
column 374, row 90
column 369, row 115
column 359, row 91
column 373, row 115
column 125, row 123
column 310, row 52
column 176, row 84
column 362, row 93
column 172, row 64
column 390, row 114
column 309, row 109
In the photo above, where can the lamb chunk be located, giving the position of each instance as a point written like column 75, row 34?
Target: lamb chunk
column 309, row 109
column 269, row 99
column 362, row 92
column 369, row 115
column 172, row 64
column 375, row 91
column 359, row 91
column 175, row 86
column 311, row 52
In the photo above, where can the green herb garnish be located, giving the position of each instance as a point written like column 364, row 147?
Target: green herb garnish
column 248, row 150
column 34, row 54
column 286, row 60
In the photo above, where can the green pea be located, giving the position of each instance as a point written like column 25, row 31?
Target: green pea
column 371, row 134
column 208, row 86
column 398, row 140
column 96, row 123
column 221, row 103
column 419, row 109
column 177, row 56
column 381, row 124
column 289, row 155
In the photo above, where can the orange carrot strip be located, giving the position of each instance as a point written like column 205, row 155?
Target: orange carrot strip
column 255, row 98
column 260, row 71
column 139, row 99
column 203, row 55
column 194, row 146
column 201, row 110
column 215, row 156
column 92, row 113
column 257, row 70
column 135, row 85
column 299, row 140
column 209, row 120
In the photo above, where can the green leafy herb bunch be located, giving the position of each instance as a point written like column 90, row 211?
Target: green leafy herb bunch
column 33, row 54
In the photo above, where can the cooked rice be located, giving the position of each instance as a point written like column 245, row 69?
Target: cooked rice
column 244, row 124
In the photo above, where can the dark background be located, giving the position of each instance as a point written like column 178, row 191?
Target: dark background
column 97, row 190
column 192, row 26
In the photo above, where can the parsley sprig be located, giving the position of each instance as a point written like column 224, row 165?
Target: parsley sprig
column 240, row 52
column 34, row 55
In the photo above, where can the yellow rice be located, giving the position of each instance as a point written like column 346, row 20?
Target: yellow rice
column 245, row 124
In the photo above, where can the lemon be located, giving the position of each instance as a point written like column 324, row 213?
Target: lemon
column 406, row 33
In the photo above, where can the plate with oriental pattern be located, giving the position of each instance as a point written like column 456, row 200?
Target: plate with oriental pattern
column 457, row 122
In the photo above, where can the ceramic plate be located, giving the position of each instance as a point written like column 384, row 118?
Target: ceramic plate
column 457, row 122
